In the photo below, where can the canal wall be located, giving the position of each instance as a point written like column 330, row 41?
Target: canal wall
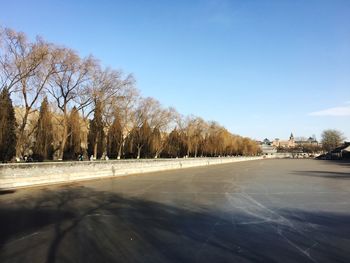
column 32, row 174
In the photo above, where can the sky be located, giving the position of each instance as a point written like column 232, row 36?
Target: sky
column 260, row 68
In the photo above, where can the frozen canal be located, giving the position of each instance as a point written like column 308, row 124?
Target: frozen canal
column 258, row 211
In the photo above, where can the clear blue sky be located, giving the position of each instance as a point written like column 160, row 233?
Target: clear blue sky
column 260, row 68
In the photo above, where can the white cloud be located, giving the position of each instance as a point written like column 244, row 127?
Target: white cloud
column 336, row 111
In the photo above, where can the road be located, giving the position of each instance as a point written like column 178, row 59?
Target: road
column 257, row 211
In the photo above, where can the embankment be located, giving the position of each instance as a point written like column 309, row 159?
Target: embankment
column 32, row 174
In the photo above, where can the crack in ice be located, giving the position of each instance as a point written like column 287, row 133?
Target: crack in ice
column 267, row 215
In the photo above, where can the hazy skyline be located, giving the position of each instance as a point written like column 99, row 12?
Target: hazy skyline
column 260, row 68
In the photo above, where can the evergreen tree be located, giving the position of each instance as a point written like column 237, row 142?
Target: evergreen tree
column 43, row 148
column 115, row 139
column 144, row 140
column 96, row 135
column 129, row 147
column 7, row 127
column 73, row 145
column 175, row 144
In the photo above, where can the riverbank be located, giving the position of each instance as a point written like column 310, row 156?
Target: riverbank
column 19, row 175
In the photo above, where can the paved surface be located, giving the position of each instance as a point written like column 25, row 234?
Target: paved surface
column 259, row 211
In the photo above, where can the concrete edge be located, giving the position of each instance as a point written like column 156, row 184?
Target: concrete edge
column 11, row 180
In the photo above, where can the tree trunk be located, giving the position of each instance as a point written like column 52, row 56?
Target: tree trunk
column 20, row 141
column 95, row 150
column 64, row 137
column 120, row 149
column 119, row 152
column 63, row 143
column 138, row 151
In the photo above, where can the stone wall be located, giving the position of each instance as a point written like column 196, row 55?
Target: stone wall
column 31, row 174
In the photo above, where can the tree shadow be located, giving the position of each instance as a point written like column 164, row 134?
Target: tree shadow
column 324, row 174
column 78, row 224
column 344, row 162
column 5, row 192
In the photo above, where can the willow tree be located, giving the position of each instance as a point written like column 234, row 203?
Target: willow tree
column 43, row 147
column 7, row 127
column 139, row 141
column 150, row 114
column 194, row 130
column 123, row 117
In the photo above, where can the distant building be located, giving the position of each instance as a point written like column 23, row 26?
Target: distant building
column 309, row 141
column 266, row 141
column 346, row 151
column 266, row 147
column 284, row 143
column 341, row 152
column 291, row 143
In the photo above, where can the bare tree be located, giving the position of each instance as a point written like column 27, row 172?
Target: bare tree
column 331, row 139
column 24, row 69
column 31, row 88
column 113, row 92
column 30, row 70
column 158, row 119
column 168, row 120
column 106, row 85
column 69, row 87
column 19, row 59
column 124, row 109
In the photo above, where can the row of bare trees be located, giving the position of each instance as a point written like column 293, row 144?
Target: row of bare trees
column 67, row 106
